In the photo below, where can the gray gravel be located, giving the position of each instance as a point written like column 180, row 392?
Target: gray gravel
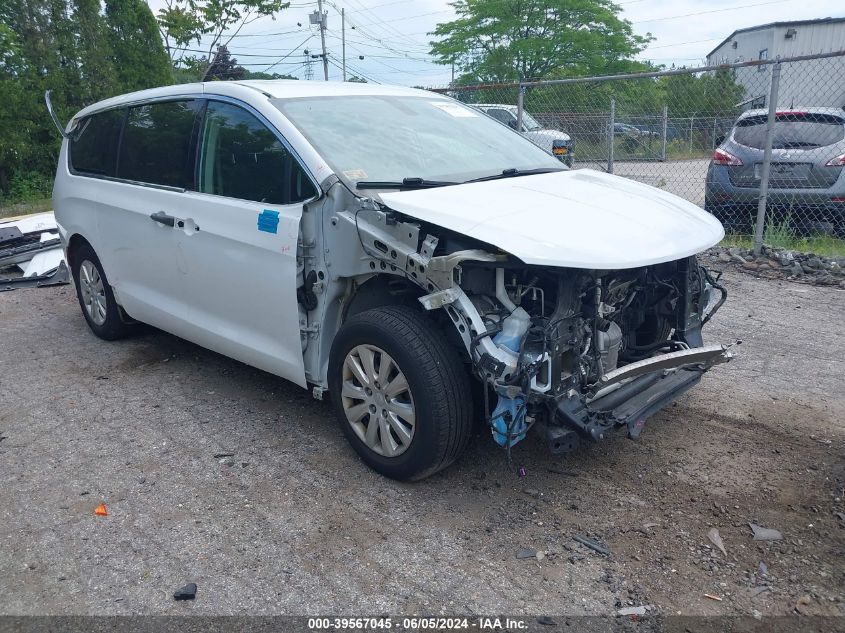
column 215, row 473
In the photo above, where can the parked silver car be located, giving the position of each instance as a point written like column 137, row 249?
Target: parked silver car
column 558, row 143
column 806, row 185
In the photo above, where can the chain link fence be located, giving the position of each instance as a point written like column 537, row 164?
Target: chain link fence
column 761, row 144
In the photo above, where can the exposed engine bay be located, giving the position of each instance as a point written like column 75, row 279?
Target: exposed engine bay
column 572, row 352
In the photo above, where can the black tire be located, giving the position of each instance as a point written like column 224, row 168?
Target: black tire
column 113, row 327
column 438, row 383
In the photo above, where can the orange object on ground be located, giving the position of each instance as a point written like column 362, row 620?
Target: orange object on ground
column 101, row 510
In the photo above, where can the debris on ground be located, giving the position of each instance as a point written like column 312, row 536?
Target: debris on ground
column 802, row 604
column 546, row 621
column 100, row 510
column 765, row 534
column 526, row 552
column 188, row 592
column 782, row 263
column 31, row 253
column 641, row 610
column 716, row 539
column 592, row 545
column 712, row 597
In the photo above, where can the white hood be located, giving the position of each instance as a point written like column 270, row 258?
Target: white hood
column 573, row 219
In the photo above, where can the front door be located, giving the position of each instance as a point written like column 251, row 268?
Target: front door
column 238, row 242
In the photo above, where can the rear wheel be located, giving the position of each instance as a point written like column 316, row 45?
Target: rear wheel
column 401, row 394
column 95, row 295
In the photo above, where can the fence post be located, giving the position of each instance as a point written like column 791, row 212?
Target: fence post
column 665, row 133
column 520, row 106
column 611, row 132
column 767, row 160
column 691, row 120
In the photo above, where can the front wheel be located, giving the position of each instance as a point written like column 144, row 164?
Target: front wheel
column 401, row 394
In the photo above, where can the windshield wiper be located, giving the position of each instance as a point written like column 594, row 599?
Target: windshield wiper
column 510, row 173
column 406, row 183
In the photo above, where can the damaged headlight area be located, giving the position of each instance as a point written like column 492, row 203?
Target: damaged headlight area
column 579, row 352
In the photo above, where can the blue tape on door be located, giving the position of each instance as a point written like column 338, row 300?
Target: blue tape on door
column 268, row 221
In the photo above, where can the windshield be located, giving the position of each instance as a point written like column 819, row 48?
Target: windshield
column 793, row 130
column 388, row 138
column 529, row 122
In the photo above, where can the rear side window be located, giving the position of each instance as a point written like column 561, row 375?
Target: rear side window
column 156, row 145
column 241, row 158
column 93, row 145
column 793, row 130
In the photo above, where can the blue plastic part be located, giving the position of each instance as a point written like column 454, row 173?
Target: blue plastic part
column 509, row 412
column 268, row 221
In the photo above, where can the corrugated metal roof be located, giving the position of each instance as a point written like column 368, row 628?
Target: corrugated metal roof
column 773, row 25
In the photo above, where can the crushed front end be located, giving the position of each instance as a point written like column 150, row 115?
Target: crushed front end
column 571, row 352
column 579, row 352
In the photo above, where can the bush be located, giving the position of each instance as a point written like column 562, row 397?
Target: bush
column 29, row 186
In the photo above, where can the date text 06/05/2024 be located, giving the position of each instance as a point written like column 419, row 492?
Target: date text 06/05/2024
column 417, row 623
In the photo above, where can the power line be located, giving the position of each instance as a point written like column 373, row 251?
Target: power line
column 304, row 42
column 689, row 15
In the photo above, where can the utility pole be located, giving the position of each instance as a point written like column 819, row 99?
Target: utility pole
column 323, row 39
column 343, row 38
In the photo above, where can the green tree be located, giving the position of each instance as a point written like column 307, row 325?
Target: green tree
column 512, row 40
column 138, row 54
column 261, row 75
column 92, row 52
column 224, row 67
column 186, row 22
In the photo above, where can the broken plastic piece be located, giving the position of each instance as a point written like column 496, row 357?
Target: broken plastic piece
column 100, row 510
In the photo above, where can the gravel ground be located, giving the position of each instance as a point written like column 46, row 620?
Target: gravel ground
column 292, row 523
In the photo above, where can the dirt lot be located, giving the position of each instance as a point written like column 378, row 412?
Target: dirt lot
column 293, row 523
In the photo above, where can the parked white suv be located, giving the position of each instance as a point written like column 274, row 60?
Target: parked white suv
column 388, row 246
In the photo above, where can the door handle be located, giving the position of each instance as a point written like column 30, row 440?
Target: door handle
column 162, row 218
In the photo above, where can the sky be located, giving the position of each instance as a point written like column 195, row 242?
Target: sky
column 392, row 35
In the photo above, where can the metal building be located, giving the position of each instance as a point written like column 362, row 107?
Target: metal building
column 820, row 85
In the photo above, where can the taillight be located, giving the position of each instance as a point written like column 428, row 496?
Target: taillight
column 839, row 161
column 721, row 157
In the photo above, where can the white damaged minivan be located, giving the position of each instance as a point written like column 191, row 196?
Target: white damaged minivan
column 402, row 252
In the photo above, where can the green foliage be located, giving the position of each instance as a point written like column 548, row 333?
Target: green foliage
column 224, row 67
column 260, row 75
column 184, row 23
column 82, row 55
column 29, row 186
column 138, row 54
column 512, row 40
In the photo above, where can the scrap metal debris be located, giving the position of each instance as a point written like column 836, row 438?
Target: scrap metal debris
column 592, row 545
column 31, row 254
column 188, row 592
column 526, row 552
column 714, row 537
column 765, row 534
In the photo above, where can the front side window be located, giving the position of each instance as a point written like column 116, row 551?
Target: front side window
column 93, row 145
column 156, row 145
column 241, row 158
column 389, row 138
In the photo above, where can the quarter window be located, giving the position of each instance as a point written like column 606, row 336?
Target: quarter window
column 156, row 146
column 93, row 146
column 241, row 158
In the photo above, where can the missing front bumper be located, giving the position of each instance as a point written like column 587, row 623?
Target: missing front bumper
column 631, row 394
